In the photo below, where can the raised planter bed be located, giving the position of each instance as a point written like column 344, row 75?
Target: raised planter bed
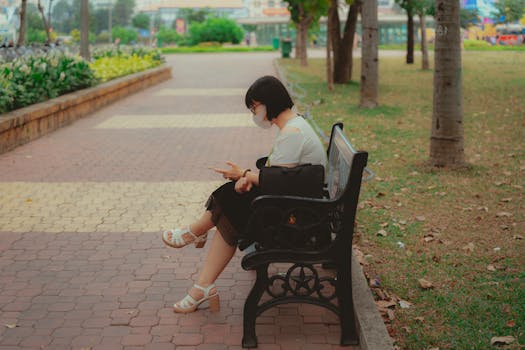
column 29, row 123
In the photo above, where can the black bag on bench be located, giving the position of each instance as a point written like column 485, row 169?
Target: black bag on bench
column 304, row 180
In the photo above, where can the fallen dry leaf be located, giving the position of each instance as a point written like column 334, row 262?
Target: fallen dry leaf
column 505, row 200
column 469, row 247
column 485, row 209
column 29, row 200
column 517, row 237
column 405, row 304
column 384, row 224
column 11, row 325
column 510, row 323
column 391, row 314
column 420, row 218
column 428, row 237
column 425, row 284
column 420, row 319
column 491, row 268
column 382, row 233
column 502, row 340
column 385, row 303
column 502, row 214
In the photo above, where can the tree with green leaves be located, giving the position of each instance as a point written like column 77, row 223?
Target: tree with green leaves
column 141, row 21
column 343, row 42
column 468, row 17
column 192, row 15
column 62, row 15
column 509, row 10
column 303, row 14
column 446, row 140
column 122, row 12
column 101, row 17
column 408, row 6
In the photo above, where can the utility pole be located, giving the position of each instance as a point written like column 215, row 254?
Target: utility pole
column 110, row 27
column 84, row 29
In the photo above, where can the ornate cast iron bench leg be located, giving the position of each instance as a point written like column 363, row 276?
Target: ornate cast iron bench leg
column 249, row 339
column 346, row 307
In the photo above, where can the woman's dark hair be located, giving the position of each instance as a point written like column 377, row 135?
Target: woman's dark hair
column 270, row 92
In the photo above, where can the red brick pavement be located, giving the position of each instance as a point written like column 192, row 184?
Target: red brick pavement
column 115, row 290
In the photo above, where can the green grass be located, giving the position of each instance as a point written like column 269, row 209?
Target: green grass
column 467, row 47
column 198, row 49
column 469, row 304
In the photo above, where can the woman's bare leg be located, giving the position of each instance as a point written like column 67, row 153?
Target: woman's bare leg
column 219, row 255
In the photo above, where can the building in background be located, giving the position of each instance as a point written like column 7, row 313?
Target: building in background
column 168, row 10
column 9, row 20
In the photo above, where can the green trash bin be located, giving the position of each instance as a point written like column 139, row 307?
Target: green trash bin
column 286, row 48
column 275, row 43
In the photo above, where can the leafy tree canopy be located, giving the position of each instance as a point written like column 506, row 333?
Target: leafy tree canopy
column 468, row 17
column 304, row 9
column 508, row 11
column 122, row 12
column 141, row 21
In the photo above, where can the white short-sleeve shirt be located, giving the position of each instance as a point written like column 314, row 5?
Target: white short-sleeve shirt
column 297, row 143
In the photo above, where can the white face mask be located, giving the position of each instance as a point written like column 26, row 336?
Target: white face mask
column 260, row 118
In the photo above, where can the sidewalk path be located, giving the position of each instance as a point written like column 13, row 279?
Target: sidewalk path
column 82, row 265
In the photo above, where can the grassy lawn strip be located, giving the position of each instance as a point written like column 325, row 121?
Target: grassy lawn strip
column 194, row 49
column 467, row 47
column 462, row 230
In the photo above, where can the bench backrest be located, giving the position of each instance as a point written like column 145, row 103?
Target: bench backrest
column 344, row 176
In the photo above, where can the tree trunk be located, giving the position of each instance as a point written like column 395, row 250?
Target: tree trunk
column 22, row 30
column 410, row 37
column 424, row 47
column 369, row 61
column 343, row 47
column 302, row 37
column 84, row 29
column 301, row 40
column 446, row 141
column 46, row 24
column 329, row 69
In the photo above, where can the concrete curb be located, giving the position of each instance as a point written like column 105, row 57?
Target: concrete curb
column 29, row 123
column 370, row 326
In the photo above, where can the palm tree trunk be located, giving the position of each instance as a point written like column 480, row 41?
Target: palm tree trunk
column 84, row 29
column 369, row 60
column 343, row 47
column 410, row 37
column 424, row 47
column 329, row 67
column 22, row 30
column 446, row 141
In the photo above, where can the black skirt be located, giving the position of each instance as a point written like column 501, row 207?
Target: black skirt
column 230, row 212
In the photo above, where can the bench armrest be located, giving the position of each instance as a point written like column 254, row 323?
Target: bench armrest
column 291, row 222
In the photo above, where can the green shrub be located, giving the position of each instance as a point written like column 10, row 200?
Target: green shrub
column 221, row 30
column 36, row 36
column 107, row 68
column 75, row 35
column 168, row 36
column 102, row 37
column 475, row 44
column 32, row 79
column 7, row 95
column 125, row 35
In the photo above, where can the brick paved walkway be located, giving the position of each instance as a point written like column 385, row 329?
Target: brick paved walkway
column 82, row 265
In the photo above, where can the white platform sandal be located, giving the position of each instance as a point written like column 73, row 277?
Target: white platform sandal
column 177, row 241
column 188, row 304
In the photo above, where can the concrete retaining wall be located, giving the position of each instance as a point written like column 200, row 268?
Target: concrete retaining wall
column 26, row 124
